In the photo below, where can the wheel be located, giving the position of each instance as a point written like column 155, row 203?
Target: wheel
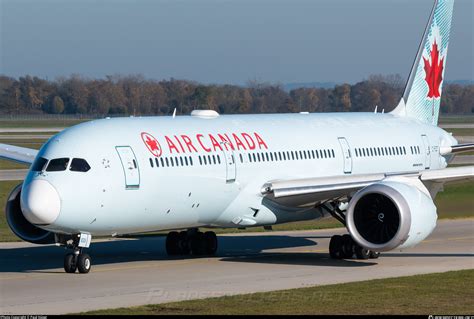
column 183, row 244
column 70, row 263
column 84, row 263
column 374, row 254
column 172, row 244
column 347, row 246
column 198, row 244
column 335, row 247
column 210, row 240
column 361, row 252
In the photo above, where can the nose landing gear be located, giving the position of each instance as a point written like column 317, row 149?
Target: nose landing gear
column 78, row 260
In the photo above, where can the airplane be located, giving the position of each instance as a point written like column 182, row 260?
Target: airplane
column 377, row 173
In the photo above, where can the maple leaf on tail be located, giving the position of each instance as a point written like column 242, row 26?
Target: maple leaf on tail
column 434, row 72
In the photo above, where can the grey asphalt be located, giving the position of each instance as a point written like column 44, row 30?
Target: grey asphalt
column 24, row 136
column 13, row 174
column 130, row 272
column 30, row 129
column 457, row 125
column 464, row 139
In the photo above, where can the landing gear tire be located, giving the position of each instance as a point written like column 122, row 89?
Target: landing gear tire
column 198, row 244
column 183, row 243
column 348, row 246
column 172, row 243
column 84, row 263
column 361, row 252
column 374, row 254
column 210, row 239
column 70, row 263
column 191, row 242
column 335, row 247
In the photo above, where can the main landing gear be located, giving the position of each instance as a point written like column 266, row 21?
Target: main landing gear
column 77, row 259
column 344, row 247
column 191, row 242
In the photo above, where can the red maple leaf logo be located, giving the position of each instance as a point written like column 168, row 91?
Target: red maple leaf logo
column 434, row 72
column 152, row 144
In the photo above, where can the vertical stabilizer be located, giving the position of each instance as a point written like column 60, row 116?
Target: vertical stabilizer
column 422, row 95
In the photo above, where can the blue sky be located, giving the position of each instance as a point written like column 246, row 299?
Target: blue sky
column 225, row 41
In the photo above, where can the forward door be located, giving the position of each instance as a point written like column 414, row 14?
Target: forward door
column 130, row 167
column 346, row 153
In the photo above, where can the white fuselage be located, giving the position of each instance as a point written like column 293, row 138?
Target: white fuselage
column 117, row 196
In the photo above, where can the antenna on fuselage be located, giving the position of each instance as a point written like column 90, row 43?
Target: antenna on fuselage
column 174, row 113
column 376, row 107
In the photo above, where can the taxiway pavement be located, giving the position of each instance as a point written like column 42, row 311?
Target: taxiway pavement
column 129, row 272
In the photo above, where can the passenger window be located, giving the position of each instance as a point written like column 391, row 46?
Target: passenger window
column 162, row 162
column 57, row 165
column 39, row 164
column 181, row 161
column 191, row 160
column 157, row 162
column 151, row 163
column 81, row 165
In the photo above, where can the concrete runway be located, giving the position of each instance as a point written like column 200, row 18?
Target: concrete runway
column 25, row 137
column 457, row 125
column 13, row 174
column 30, row 129
column 128, row 272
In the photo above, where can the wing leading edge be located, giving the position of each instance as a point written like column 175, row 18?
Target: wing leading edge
column 310, row 190
column 17, row 154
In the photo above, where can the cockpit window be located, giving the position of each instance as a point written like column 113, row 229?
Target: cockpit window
column 57, row 164
column 79, row 165
column 39, row 164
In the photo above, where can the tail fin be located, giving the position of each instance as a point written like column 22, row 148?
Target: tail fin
column 422, row 96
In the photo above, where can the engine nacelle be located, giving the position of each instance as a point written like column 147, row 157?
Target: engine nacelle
column 20, row 226
column 391, row 214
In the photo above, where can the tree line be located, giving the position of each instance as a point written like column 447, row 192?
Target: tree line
column 135, row 95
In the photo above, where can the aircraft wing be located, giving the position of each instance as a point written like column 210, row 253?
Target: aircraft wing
column 17, row 154
column 307, row 191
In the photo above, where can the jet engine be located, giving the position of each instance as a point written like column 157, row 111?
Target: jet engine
column 20, row 226
column 391, row 214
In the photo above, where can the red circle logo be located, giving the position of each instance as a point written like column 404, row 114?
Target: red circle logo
column 152, row 144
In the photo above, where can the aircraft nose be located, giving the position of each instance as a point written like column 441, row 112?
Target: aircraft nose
column 40, row 202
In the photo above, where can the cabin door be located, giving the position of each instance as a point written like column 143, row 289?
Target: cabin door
column 346, row 153
column 230, row 163
column 130, row 167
